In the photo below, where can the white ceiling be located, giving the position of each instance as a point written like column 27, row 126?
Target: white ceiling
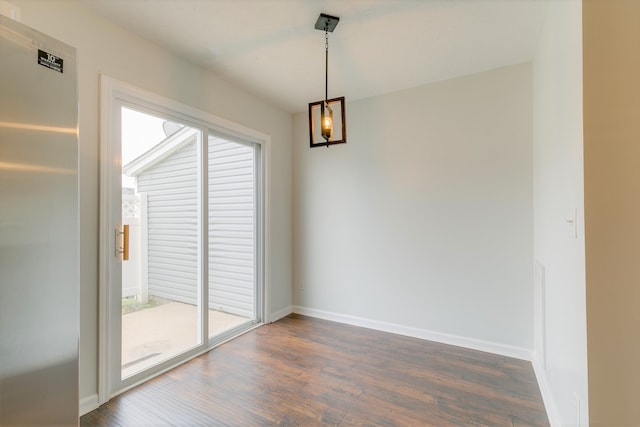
column 270, row 47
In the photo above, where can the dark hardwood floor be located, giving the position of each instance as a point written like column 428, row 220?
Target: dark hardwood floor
column 305, row 371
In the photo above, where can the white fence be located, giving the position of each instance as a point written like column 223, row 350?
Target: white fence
column 135, row 282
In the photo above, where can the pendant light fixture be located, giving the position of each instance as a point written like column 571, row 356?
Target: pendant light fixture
column 327, row 118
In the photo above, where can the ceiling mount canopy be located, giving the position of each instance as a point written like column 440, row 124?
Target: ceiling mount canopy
column 323, row 128
column 327, row 23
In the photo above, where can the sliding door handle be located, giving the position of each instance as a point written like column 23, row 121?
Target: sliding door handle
column 123, row 249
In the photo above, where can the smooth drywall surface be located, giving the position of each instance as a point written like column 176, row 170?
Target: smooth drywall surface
column 424, row 218
column 105, row 48
column 561, row 355
column 611, row 33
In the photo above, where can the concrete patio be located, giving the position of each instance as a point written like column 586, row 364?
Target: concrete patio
column 154, row 334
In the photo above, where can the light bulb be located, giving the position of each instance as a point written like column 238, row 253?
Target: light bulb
column 327, row 123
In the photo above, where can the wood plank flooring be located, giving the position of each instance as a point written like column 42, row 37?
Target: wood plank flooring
column 302, row 371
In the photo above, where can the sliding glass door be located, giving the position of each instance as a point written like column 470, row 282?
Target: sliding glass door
column 232, row 233
column 184, row 255
column 161, row 296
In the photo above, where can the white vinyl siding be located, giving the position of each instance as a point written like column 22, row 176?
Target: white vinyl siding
column 231, row 227
column 171, row 186
column 172, row 193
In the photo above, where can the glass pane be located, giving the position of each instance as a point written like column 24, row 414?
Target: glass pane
column 232, row 235
column 160, row 291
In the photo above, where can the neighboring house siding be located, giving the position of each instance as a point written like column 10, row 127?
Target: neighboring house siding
column 172, row 193
column 231, row 227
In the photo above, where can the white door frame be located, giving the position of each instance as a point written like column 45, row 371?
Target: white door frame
column 112, row 93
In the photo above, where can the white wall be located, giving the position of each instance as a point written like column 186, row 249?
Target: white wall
column 105, row 48
column 558, row 197
column 424, row 218
column 558, row 193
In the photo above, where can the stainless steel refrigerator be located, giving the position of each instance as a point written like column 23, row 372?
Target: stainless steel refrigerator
column 39, row 232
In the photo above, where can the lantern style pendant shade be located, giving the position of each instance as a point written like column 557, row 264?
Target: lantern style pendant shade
column 327, row 117
column 327, row 122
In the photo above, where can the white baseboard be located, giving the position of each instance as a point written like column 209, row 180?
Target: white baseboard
column 88, row 404
column 547, row 395
column 281, row 313
column 471, row 343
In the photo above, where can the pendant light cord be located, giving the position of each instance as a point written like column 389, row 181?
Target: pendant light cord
column 326, row 64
